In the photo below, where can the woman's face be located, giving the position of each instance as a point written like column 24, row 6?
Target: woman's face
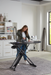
column 25, row 29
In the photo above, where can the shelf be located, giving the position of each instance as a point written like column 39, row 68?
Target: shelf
column 7, row 27
column 8, row 33
column 8, row 24
column 5, row 33
column 1, row 26
column 2, row 22
column 2, row 32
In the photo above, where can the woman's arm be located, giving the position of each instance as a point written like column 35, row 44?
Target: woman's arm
column 28, row 37
column 19, row 33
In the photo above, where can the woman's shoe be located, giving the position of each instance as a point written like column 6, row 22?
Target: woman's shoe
column 18, row 64
column 26, row 62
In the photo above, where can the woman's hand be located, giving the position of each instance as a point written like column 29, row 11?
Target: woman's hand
column 29, row 40
column 24, row 38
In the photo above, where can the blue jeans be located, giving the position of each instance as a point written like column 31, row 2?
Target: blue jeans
column 23, row 47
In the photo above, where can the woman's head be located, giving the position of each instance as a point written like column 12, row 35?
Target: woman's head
column 24, row 28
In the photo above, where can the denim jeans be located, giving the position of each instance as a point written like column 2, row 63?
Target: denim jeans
column 23, row 47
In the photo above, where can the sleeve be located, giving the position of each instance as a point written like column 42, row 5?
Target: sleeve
column 19, row 34
column 28, row 36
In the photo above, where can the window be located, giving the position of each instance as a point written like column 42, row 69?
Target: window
column 49, row 28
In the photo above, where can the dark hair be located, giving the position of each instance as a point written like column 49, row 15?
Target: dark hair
column 26, row 32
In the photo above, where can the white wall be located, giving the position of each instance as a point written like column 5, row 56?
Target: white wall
column 47, row 8
column 40, row 22
column 29, row 17
column 20, row 13
column 13, row 9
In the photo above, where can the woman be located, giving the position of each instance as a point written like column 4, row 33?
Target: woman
column 22, row 36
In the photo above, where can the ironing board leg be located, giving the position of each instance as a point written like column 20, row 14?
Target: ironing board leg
column 16, row 61
column 18, row 58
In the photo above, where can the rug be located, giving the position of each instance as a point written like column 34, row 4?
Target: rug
column 43, row 67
